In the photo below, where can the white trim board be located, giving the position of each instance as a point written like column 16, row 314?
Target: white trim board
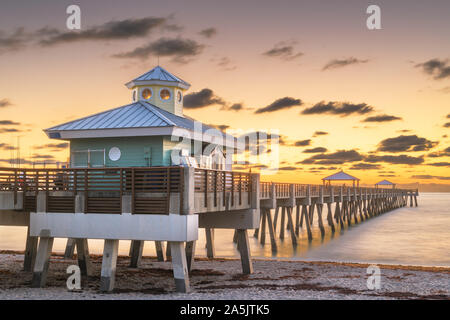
column 172, row 227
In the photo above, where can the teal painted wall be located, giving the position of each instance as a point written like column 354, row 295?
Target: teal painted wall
column 134, row 151
column 169, row 145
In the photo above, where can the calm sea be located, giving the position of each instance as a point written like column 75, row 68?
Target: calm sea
column 408, row 236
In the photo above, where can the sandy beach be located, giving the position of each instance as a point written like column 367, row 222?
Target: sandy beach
column 222, row 279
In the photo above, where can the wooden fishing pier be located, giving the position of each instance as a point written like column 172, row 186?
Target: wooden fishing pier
column 170, row 204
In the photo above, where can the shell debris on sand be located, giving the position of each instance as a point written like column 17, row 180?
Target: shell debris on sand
column 222, row 279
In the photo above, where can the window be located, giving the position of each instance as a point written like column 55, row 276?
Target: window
column 179, row 96
column 90, row 158
column 114, row 154
column 134, row 95
column 164, row 94
column 147, row 94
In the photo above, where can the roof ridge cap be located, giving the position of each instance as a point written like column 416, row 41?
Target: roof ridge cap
column 151, row 108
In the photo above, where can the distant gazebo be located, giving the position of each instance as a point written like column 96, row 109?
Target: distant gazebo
column 385, row 183
column 341, row 176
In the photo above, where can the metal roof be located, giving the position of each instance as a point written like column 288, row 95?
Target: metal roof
column 340, row 176
column 160, row 74
column 140, row 114
column 385, row 183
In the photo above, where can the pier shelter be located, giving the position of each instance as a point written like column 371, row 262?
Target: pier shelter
column 385, row 184
column 341, row 176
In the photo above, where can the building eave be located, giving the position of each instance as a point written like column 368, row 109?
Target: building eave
column 135, row 83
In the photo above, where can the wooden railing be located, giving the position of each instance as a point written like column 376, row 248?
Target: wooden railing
column 282, row 190
column 217, row 182
column 150, row 188
column 103, row 188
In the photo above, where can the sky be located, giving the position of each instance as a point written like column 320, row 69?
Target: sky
column 374, row 103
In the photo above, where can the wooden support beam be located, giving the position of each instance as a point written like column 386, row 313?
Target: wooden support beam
column 109, row 263
column 137, row 246
column 330, row 218
column 179, row 265
column 275, row 218
column 297, row 220
column 282, row 222
column 262, row 237
column 311, row 213
column 244, row 250
column 305, row 214
column 168, row 251
column 70, row 248
column 30, row 252
column 291, row 226
column 160, row 252
column 338, row 214
column 42, row 262
column 210, row 248
column 84, row 261
column 190, row 254
column 273, row 242
column 319, row 217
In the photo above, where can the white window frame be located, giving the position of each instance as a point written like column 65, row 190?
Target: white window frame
column 170, row 92
column 142, row 92
column 88, row 151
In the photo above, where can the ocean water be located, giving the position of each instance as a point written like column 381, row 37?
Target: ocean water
column 408, row 236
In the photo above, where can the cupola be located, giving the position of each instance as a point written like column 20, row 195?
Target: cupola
column 160, row 88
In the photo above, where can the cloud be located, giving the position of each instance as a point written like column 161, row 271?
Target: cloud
column 340, row 63
column 400, row 159
column 406, row 143
column 288, row 168
column 13, row 42
column 320, row 133
column 236, row 107
column 342, row 109
column 439, row 69
column 284, row 51
column 438, row 154
column 225, row 63
column 279, row 104
column 9, row 130
column 43, row 156
column 203, row 98
column 439, row 164
column 315, row 150
column 382, row 118
column 54, row 146
column 302, row 143
column 208, row 33
column 365, row 166
column 9, row 123
column 338, row 157
column 427, row 176
column 14, row 161
column 5, row 103
column 6, row 147
column 178, row 48
column 113, row 30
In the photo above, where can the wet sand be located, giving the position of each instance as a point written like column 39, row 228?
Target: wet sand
column 222, row 279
